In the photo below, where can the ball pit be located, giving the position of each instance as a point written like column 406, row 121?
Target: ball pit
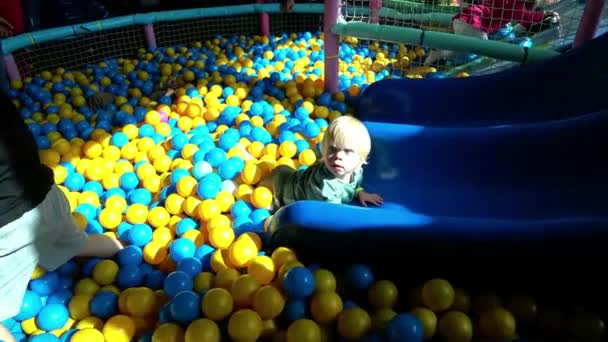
column 170, row 181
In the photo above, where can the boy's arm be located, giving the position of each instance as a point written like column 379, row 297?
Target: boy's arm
column 530, row 18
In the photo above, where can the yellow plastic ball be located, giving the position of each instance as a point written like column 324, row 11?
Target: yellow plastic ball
column 155, row 252
column 29, row 326
column 261, row 197
column 497, row 323
column 203, row 330
column 38, row 272
column 144, row 171
column 268, row 302
column 119, row 328
column 105, row 272
column 217, row 304
column 203, row 281
column 325, row 307
column 303, row 330
column 137, row 213
column 383, row 294
column 354, row 323
column 225, row 200
column 282, row 255
column 116, row 203
column 221, row 237
column 262, row 268
column 428, row 319
column 220, row 260
column 325, row 281
column 288, row 149
column 252, row 237
column 158, row 217
column 251, row 174
column 168, row 332
column 307, row 157
column 245, row 325
column 86, row 286
column 455, row 326
column 225, row 278
column 438, row 294
column 381, row 318
column 187, row 186
column 524, row 308
column 88, row 335
column 90, row 322
column 241, row 252
column 243, row 290
column 462, row 301
column 79, row 306
column 174, row 204
column 110, row 218
column 209, row 209
column 587, row 326
column 140, row 302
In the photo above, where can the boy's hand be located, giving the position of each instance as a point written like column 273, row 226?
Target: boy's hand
column 287, row 6
column 366, row 197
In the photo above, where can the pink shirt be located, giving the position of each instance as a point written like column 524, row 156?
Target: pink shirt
column 491, row 15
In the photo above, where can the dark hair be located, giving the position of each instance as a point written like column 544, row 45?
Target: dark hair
column 531, row 4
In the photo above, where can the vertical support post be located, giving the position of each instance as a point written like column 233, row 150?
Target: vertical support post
column 12, row 69
column 374, row 6
column 264, row 22
column 589, row 22
column 150, row 36
column 332, row 46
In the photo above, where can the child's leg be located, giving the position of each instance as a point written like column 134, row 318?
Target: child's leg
column 5, row 335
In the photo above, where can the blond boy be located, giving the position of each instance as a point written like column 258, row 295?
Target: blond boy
column 337, row 177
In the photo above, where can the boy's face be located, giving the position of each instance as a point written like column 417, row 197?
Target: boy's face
column 342, row 161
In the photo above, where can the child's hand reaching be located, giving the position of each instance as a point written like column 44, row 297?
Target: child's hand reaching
column 366, row 197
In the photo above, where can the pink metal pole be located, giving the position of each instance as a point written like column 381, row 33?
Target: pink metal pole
column 11, row 68
column 589, row 22
column 264, row 22
column 150, row 36
column 332, row 11
column 374, row 6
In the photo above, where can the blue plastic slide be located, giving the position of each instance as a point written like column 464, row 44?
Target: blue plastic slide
column 570, row 84
column 530, row 191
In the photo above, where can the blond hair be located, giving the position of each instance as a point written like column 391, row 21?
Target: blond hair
column 347, row 132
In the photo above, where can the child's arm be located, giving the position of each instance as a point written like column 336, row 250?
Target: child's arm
column 366, row 197
column 533, row 19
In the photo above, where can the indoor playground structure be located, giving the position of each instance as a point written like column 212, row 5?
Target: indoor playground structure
column 491, row 164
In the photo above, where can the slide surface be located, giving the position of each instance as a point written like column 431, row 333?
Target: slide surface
column 567, row 85
column 452, row 188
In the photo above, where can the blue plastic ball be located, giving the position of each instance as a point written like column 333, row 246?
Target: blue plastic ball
column 299, row 283
column 404, row 328
column 359, row 277
column 176, row 282
column 104, row 304
column 52, row 316
column 185, row 307
column 181, row 248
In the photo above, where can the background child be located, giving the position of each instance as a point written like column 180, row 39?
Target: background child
column 487, row 17
column 102, row 99
column 337, row 177
column 36, row 225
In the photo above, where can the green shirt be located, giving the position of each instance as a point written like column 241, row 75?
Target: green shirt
column 318, row 183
